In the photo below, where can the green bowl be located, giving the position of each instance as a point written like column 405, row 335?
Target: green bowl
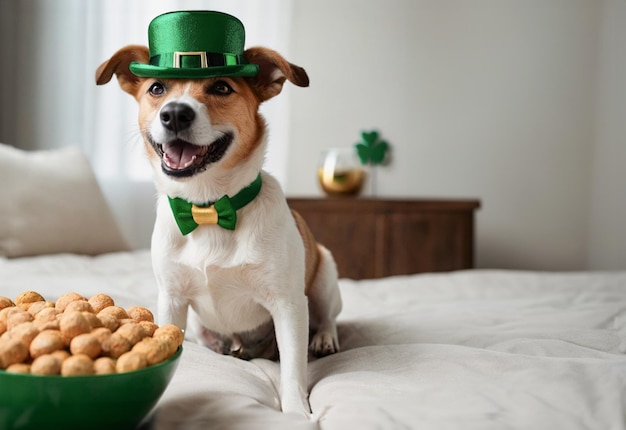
column 113, row 402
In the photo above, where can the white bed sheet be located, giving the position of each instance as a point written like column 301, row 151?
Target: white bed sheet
column 465, row 350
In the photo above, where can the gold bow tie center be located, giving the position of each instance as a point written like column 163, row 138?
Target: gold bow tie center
column 207, row 215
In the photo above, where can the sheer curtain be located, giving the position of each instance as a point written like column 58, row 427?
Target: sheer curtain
column 48, row 96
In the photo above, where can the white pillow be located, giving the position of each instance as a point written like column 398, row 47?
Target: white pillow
column 50, row 202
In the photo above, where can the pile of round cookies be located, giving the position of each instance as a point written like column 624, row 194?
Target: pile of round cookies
column 80, row 336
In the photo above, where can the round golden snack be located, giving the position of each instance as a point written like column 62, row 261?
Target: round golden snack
column 149, row 327
column 25, row 299
column 66, row 299
column 156, row 350
column 115, row 345
column 79, row 364
column 36, row 307
column 62, row 354
column 46, row 342
column 17, row 318
column 86, row 343
column 78, row 305
column 19, row 368
column 101, row 333
column 130, row 361
column 72, row 324
column 116, row 311
column 47, row 318
column 5, row 302
column 24, row 332
column 100, row 301
column 109, row 321
column 47, row 364
column 104, row 365
column 12, row 351
column 132, row 331
column 170, row 330
column 93, row 320
column 139, row 313
column 5, row 312
column 76, row 336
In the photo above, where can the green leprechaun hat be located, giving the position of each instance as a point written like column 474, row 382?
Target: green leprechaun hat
column 195, row 44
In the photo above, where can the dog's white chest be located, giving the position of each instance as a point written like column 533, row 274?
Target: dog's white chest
column 227, row 301
column 212, row 247
column 220, row 273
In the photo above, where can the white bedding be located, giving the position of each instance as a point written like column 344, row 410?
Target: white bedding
column 465, row 350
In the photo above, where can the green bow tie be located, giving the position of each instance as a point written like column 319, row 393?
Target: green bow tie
column 222, row 212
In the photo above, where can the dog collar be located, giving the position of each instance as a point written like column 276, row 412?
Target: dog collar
column 223, row 212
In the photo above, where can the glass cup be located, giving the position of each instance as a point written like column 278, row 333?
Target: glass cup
column 340, row 172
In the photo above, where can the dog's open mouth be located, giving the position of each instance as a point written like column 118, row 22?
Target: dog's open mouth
column 181, row 159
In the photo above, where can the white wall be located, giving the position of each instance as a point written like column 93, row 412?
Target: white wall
column 519, row 103
column 607, row 245
column 489, row 99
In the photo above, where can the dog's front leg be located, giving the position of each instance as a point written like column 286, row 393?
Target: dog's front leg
column 291, row 322
column 172, row 281
column 172, row 310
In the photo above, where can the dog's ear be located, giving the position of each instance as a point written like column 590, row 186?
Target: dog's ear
column 273, row 71
column 118, row 65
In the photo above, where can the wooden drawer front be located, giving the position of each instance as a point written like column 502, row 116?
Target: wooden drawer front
column 376, row 238
column 428, row 242
column 350, row 242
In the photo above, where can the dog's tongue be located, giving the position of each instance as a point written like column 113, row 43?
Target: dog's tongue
column 180, row 154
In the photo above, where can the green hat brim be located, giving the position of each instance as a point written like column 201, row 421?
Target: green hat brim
column 150, row 71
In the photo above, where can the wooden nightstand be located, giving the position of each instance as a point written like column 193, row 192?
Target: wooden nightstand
column 373, row 238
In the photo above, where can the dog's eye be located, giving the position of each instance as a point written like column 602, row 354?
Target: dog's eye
column 220, row 88
column 157, row 89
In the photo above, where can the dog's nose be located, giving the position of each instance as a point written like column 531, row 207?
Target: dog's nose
column 177, row 116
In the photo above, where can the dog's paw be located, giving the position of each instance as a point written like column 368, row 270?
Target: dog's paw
column 323, row 344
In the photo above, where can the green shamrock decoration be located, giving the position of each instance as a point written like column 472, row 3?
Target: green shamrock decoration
column 370, row 149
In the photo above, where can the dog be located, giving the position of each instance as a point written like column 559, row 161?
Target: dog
column 264, row 287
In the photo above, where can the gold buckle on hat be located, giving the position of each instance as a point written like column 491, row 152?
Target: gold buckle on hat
column 179, row 55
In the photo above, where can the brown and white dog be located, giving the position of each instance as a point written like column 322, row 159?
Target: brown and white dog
column 206, row 139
